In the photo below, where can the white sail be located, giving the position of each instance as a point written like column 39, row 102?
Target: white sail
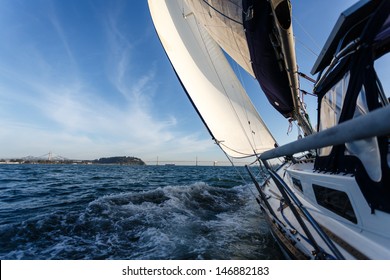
column 211, row 84
column 223, row 21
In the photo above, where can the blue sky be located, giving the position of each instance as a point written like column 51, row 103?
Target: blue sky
column 89, row 79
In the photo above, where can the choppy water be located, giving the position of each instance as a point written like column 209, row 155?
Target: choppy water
column 122, row 212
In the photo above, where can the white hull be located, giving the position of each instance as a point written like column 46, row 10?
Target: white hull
column 367, row 237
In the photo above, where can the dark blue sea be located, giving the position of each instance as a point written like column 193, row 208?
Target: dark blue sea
column 126, row 212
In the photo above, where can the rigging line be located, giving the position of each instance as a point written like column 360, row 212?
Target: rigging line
column 207, row 23
column 235, row 168
column 227, row 27
column 262, row 173
column 244, row 105
column 303, row 75
column 306, row 47
column 300, row 132
column 222, row 14
column 241, row 52
column 239, row 173
column 308, row 93
column 239, row 72
column 243, row 96
column 182, row 8
column 235, row 4
column 262, row 168
column 219, row 143
column 307, row 33
column 220, row 81
column 294, row 229
column 209, row 27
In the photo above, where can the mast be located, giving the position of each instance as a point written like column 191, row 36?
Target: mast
column 281, row 10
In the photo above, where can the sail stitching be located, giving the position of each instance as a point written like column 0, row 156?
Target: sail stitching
column 243, row 104
column 222, row 14
column 228, row 26
column 226, row 94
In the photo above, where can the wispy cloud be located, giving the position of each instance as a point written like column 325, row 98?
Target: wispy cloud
column 69, row 112
column 53, row 18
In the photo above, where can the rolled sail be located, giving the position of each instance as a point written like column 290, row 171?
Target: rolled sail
column 209, row 81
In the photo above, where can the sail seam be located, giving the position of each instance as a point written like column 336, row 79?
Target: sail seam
column 225, row 92
column 222, row 14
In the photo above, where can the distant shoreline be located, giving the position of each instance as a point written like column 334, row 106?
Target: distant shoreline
column 123, row 160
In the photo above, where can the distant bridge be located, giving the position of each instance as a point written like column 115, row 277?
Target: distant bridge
column 195, row 162
column 49, row 156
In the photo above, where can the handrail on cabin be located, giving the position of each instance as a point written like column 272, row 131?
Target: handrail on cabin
column 287, row 194
column 375, row 123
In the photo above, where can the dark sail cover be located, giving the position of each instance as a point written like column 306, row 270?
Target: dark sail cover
column 267, row 67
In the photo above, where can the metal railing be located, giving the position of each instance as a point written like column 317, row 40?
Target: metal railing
column 375, row 123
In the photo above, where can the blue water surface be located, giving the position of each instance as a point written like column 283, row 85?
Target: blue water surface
column 130, row 212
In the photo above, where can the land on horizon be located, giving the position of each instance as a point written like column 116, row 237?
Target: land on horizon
column 121, row 160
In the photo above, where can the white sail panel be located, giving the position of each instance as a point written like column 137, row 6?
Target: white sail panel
column 223, row 21
column 209, row 81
